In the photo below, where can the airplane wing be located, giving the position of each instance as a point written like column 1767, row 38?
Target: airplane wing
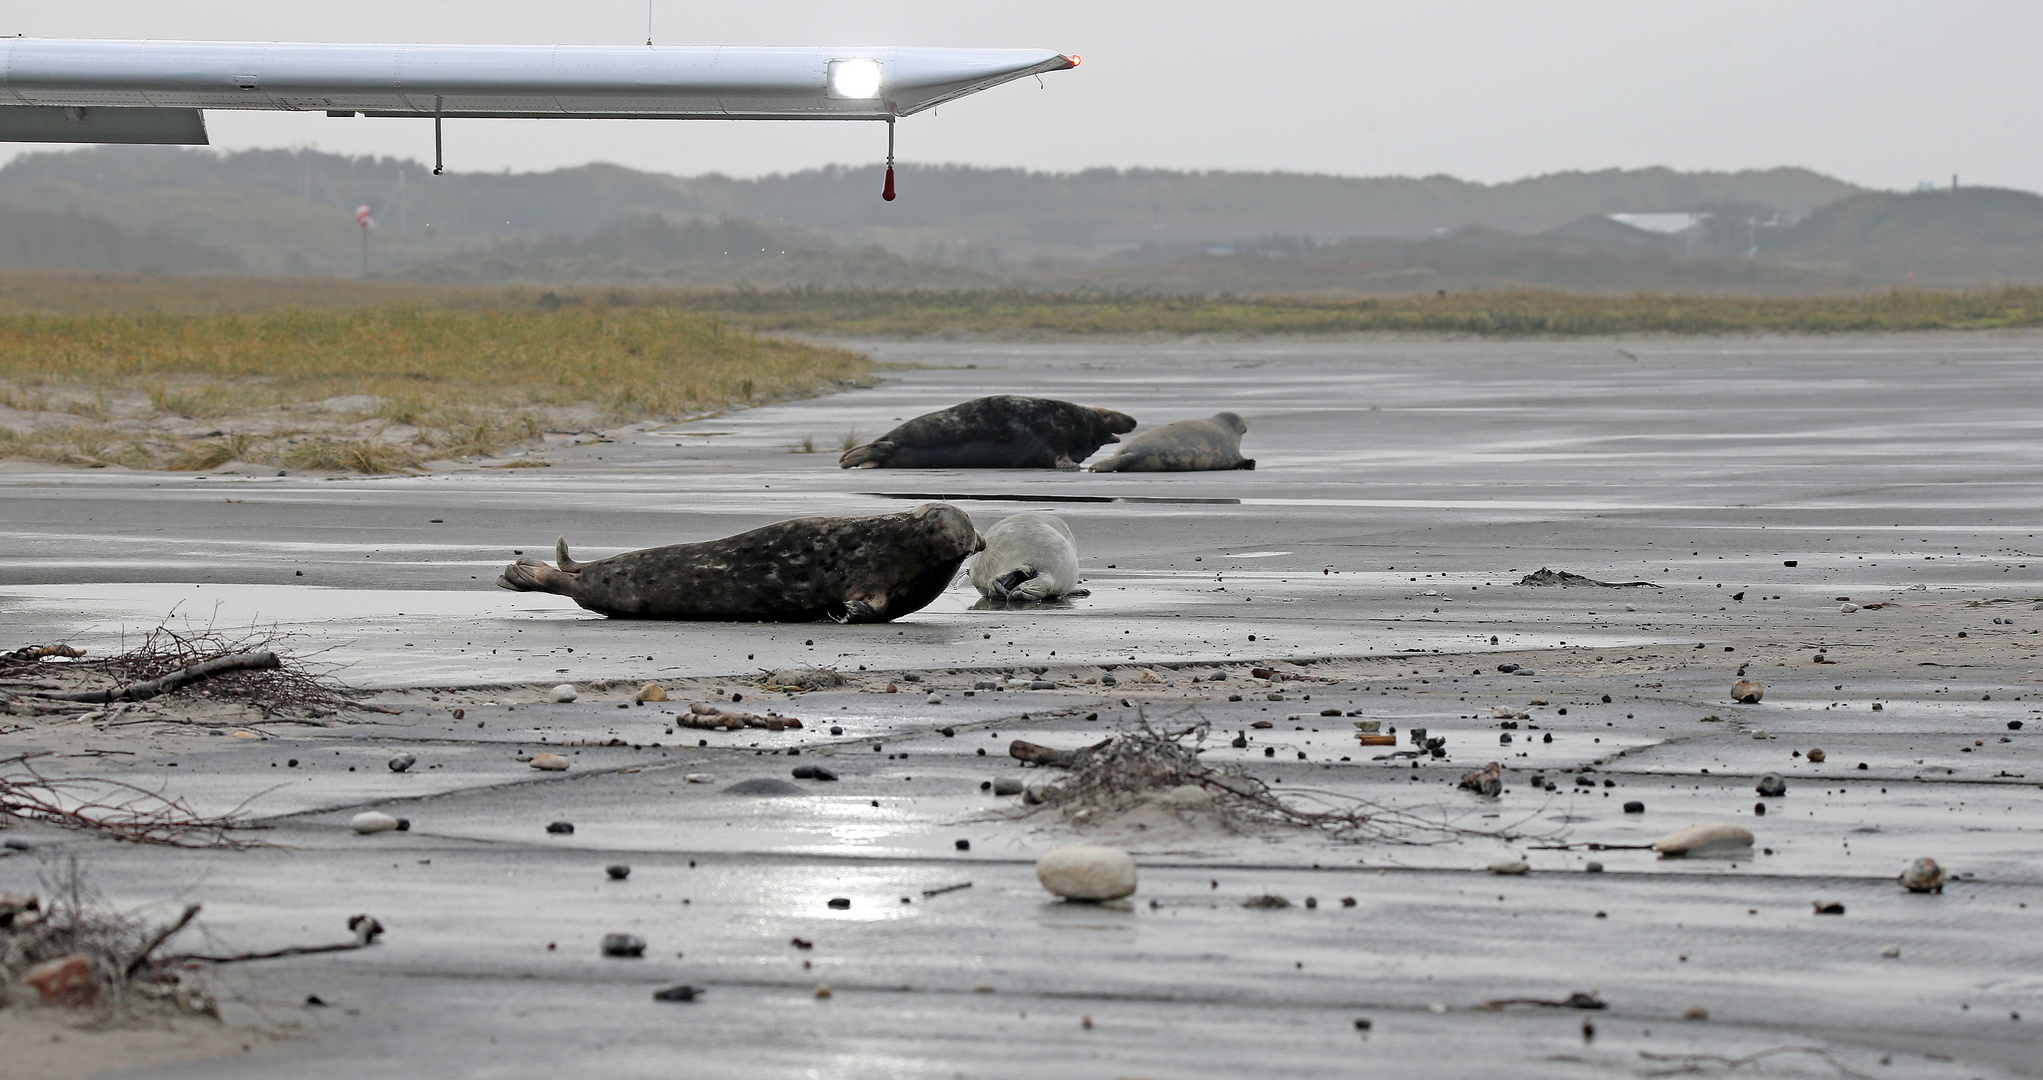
column 154, row 91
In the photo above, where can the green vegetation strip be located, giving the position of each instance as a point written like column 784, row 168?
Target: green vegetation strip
column 1485, row 314
column 374, row 388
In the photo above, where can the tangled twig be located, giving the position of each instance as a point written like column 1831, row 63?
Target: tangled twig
column 1123, row 767
column 248, row 670
column 113, row 808
column 1694, row 1063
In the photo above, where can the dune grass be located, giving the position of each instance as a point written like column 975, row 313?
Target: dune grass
column 409, row 383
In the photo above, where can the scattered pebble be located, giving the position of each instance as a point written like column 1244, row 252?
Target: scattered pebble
column 1510, row 866
column 1267, row 900
column 1187, row 797
column 1087, row 872
column 1007, row 785
column 683, row 992
column 565, row 692
column 549, row 762
column 1747, row 692
column 1695, row 1012
column 1827, row 907
column 652, row 692
column 840, row 903
column 1816, row 757
column 813, row 772
column 700, row 778
column 372, row 821
column 561, row 828
column 617, row 871
column 1772, row 785
column 1635, row 807
column 402, row 762
column 1923, row 876
column 1891, row 952
column 1697, row 841
column 624, row 945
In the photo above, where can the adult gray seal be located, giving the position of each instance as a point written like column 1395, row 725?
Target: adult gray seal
column 1000, row 432
column 1184, row 446
column 1029, row 556
column 851, row 569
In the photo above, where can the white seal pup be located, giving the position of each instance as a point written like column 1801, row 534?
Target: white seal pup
column 1029, row 556
column 1184, row 446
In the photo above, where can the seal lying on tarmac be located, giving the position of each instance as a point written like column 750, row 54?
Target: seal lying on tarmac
column 851, row 569
column 1000, row 432
column 1030, row 556
column 1184, row 446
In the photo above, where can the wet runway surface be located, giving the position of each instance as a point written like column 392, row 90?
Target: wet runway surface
column 1402, row 490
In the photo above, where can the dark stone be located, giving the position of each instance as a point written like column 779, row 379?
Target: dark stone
column 617, row 871
column 624, row 945
column 1635, row 807
column 1593, row 868
column 950, row 733
column 561, row 828
column 835, row 730
column 1772, row 785
column 676, row 993
column 841, row 903
column 1507, row 668
column 402, row 762
column 964, row 845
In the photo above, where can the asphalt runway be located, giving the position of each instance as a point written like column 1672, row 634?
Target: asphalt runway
column 1402, row 491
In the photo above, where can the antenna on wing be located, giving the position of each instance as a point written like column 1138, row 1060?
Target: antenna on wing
column 887, row 189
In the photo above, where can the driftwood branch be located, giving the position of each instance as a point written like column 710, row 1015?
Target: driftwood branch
column 366, row 929
column 38, row 652
column 157, row 939
column 142, row 691
column 1037, row 754
column 717, row 718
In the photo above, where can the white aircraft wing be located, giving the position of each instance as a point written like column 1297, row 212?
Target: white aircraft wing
column 154, row 91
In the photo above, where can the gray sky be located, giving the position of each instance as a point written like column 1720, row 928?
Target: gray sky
column 1879, row 92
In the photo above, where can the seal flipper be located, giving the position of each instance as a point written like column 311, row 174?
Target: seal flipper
column 873, row 455
column 560, row 556
column 531, row 575
column 1247, row 463
column 1007, row 585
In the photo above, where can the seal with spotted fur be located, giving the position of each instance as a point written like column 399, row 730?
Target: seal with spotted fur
column 1184, row 446
column 1005, row 431
column 1029, row 556
column 851, row 569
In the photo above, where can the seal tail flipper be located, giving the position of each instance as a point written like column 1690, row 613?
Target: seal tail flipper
column 531, row 575
column 1247, row 463
column 560, row 556
column 872, row 455
column 1076, row 593
column 1112, row 464
column 1008, row 586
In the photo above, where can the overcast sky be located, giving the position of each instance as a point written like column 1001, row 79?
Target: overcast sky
column 1879, row 92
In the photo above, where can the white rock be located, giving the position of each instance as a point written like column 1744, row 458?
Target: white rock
column 1186, row 797
column 1631, row 607
column 563, row 692
column 1890, row 951
column 1701, row 841
column 550, row 762
column 1848, row 608
column 700, row 778
column 1085, row 872
column 935, row 700
column 1510, row 866
column 372, row 821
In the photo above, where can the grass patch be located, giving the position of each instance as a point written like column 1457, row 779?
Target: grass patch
column 460, row 381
